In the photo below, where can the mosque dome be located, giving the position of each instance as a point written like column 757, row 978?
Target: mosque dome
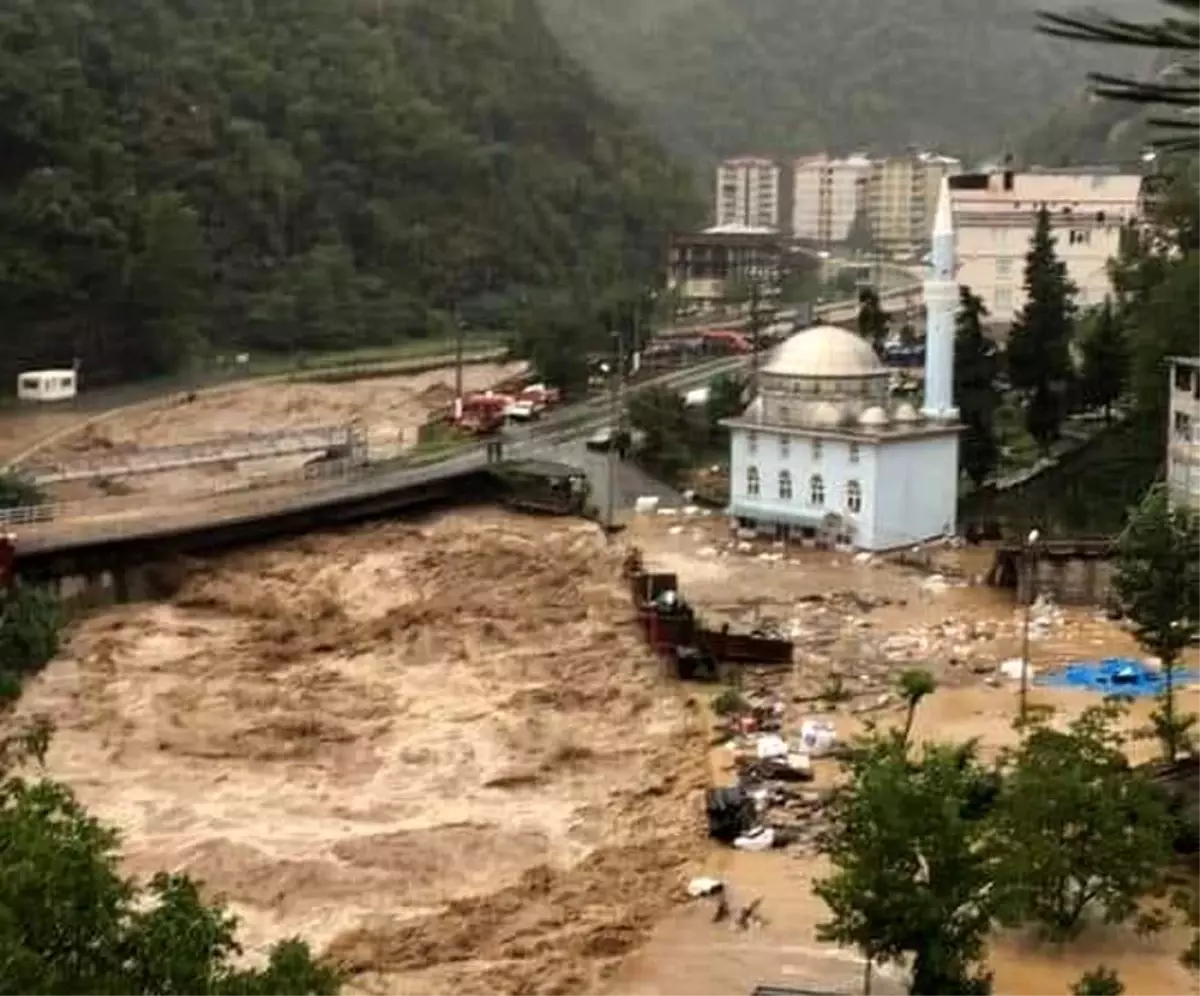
column 906, row 413
column 825, row 351
column 873, row 417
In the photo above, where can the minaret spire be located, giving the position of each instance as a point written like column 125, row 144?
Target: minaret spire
column 941, row 304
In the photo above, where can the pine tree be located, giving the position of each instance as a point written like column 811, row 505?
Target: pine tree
column 872, row 319
column 975, row 369
column 1105, row 368
column 1039, row 357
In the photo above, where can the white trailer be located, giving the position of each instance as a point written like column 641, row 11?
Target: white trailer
column 46, row 385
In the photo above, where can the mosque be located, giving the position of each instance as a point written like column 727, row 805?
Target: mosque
column 823, row 450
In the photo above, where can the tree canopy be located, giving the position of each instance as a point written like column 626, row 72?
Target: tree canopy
column 182, row 179
column 71, row 924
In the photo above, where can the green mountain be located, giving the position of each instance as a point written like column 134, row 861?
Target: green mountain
column 718, row 77
column 183, row 176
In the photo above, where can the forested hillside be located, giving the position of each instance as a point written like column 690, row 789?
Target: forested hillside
column 718, row 77
column 179, row 177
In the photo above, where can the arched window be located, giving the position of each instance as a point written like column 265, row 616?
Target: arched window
column 753, row 485
column 785, row 447
column 853, row 497
column 816, row 490
column 785, row 484
column 854, row 452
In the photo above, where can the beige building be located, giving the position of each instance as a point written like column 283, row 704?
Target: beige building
column 1183, row 431
column 748, row 193
column 901, row 199
column 995, row 214
column 826, row 195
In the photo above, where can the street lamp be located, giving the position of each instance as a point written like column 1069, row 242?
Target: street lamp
column 1027, row 564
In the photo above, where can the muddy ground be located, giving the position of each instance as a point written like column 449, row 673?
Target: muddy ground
column 858, row 621
column 391, row 409
column 439, row 752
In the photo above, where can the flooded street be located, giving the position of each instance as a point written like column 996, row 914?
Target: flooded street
column 859, row 621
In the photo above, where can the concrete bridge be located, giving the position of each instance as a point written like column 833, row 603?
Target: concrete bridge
column 1072, row 571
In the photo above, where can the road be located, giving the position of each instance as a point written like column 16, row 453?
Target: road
column 545, row 439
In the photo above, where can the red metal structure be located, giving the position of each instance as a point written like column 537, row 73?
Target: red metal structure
column 669, row 628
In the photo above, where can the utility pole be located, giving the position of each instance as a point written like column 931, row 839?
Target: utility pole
column 617, row 420
column 458, row 360
column 1028, row 558
column 755, row 324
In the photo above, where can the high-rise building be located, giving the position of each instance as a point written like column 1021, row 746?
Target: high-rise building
column 1183, row 431
column 748, row 193
column 901, row 199
column 995, row 215
column 826, row 195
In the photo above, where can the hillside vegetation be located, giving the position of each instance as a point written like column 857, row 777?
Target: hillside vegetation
column 718, row 77
column 182, row 177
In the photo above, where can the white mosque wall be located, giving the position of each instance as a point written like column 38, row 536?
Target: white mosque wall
column 917, row 490
column 834, row 467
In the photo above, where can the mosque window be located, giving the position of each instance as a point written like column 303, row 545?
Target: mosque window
column 752, row 442
column 753, row 484
column 817, row 449
column 854, row 452
column 816, row 490
column 853, row 497
column 785, row 444
column 785, row 416
column 785, row 485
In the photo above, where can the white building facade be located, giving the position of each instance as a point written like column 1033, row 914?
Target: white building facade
column 823, row 451
column 1183, row 431
column 995, row 215
column 826, row 195
column 748, row 193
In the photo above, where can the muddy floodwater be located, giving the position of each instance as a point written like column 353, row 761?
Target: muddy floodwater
column 862, row 620
column 441, row 752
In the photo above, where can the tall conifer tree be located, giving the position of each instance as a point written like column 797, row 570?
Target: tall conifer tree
column 1039, row 356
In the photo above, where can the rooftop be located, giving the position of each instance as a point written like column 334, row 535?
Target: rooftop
column 824, row 351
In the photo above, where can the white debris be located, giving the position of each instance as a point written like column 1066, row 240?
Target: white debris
column 667, row 511
column 759, row 839
column 645, row 505
column 818, row 736
column 770, row 745
column 862, row 558
column 1011, row 668
column 935, row 583
column 675, row 530
column 704, row 886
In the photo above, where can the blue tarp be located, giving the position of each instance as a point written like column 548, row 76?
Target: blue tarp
column 1114, row 676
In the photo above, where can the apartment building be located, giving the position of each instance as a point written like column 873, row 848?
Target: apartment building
column 1183, row 431
column 901, row 199
column 995, row 214
column 748, row 193
column 826, row 195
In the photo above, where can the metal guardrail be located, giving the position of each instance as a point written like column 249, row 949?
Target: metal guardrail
column 233, row 448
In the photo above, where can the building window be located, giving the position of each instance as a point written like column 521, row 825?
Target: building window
column 817, row 449
column 1079, row 237
column 1183, row 427
column 1004, row 298
column 785, row 416
column 785, row 447
column 1004, row 267
column 752, row 442
column 816, row 490
column 753, row 484
column 1183, row 379
column 854, row 452
column 853, row 497
column 785, row 485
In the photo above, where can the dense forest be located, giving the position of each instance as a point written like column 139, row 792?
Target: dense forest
column 180, row 178
column 720, row 77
